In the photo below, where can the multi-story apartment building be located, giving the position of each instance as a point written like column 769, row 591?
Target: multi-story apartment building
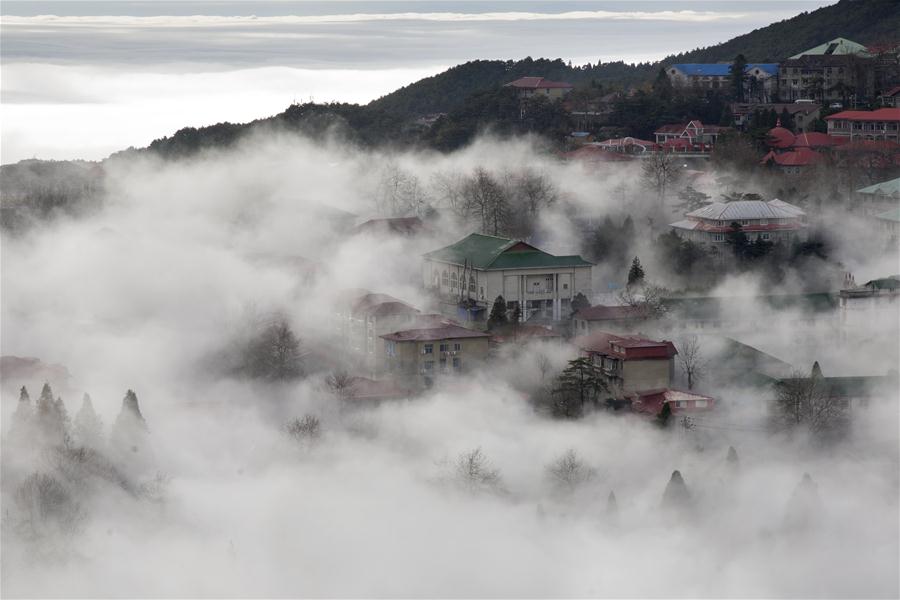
column 760, row 83
column 838, row 70
column 416, row 356
column 771, row 221
column 469, row 275
column 881, row 124
column 630, row 363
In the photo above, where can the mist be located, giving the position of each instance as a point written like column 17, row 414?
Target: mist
column 150, row 291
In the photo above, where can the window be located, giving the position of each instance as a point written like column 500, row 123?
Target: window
column 445, row 347
column 428, row 349
column 428, row 366
column 445, row 280
column 453, row 281
column 471, row 283
column 717, row 237
column 456, row 363
column 390, row 348
column 765, row 236
column 457, row 347
column 700, row 404
column 565, row 286
column 443, row 364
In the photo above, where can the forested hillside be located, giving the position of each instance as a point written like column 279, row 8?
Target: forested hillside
column 863, row 21
column 447, row 91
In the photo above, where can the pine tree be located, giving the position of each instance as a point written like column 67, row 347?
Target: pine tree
column 128, row 439
column 516, row 314
column 24, row 413
column 580, row 383
column 88, row 428
column 732, row 457
column 580, row 302
column 738, row 77
column 612, row 506
column 676, row 495
column 636, row 273
column 497, row 317
column 50, row 418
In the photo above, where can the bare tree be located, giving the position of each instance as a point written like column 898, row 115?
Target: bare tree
column 487, row 201
column 305, row 430
column 449, row 191
column 648, row 298
column 660, row 171
column 691, row 359
column 568, row 472
column 808, row 401
column 341, row 385
column 473, row 472
column 399, row 192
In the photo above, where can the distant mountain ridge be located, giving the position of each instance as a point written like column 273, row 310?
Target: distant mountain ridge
column 863, row 21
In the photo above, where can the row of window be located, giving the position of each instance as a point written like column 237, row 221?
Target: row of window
column 453, row 282
column 429, row 348
column 428, row 365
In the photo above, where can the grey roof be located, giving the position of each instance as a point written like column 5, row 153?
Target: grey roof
column 885, row 188
column 747, row 209
column 685, row 224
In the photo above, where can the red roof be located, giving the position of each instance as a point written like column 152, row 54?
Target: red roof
column 538, row 83
column 779, row 137
column 652, row 401
column 609, row 313
column 882, row 114
column 430, row 334
column 625, row 346
column 814, row 140
column 595, row 154
column 800, row 157
column 892, row 92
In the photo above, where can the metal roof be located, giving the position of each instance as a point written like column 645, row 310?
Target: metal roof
column 884, row 188
column 836, row 46
column 891, row 215
column 747, row 209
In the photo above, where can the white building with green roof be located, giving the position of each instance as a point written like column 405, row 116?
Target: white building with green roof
column 470, row 274
column 835, row 47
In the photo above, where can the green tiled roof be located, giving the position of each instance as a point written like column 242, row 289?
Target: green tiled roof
column 489, row 252
column 885, row 188
column 890, row 215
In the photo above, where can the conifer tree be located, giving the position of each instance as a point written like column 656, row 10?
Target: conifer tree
column 636, row 273
column 50, row 417
column 24, row 413
column 497, row 317
column 612, row 505
column 128, row 438
column 88, row 428
column 676, row 495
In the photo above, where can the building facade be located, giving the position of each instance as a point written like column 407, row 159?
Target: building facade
column 770, row 221
column 528, row 87
column 839, row 70
column 415, row 357
column 760, row 79
column 881, row 124
column 693, row 135
column 630, row 363
column 469, row 275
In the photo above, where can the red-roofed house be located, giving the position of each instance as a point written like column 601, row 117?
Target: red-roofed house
column 630, row 363
column 607, row 318
column 417, row 356
column 651, row 402
column 881, row 124
column 538, row 86
column 794, row 162
column 690, row 137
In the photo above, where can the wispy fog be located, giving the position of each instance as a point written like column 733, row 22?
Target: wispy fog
column 146, row 293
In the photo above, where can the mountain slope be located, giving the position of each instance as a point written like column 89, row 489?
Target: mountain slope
column 863, row 21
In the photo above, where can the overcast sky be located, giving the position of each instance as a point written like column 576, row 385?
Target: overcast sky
column 83, row 79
